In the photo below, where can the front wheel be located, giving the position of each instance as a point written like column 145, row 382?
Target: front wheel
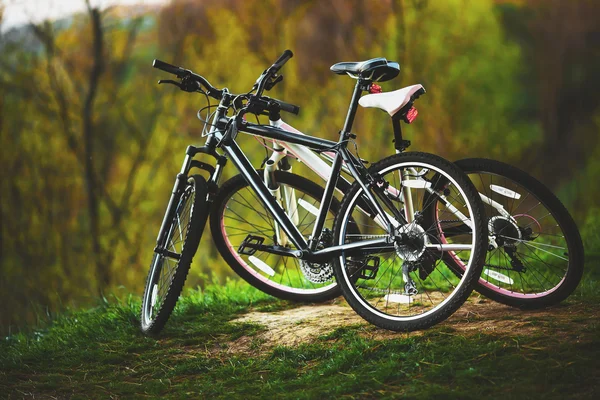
column 169, row 269
column 406, row 285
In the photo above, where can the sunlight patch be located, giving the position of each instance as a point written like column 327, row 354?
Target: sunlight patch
column 154, row 295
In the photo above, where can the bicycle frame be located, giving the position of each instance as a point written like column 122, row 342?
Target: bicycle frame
column 224, row 130
column 323, row 169
column 223, row 133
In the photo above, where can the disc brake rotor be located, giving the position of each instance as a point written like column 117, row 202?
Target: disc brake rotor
column 410, row 243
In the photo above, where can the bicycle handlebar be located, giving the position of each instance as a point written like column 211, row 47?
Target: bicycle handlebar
column 184, row 74
column 287, row 107
column 282, row 60
column 269, row 76
column 180, row 72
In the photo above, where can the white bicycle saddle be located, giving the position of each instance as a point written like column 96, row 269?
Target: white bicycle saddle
column 391, row 102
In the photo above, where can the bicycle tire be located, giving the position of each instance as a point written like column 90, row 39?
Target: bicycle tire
column 153, row 316
column 396, row 307
column 553, row 221
column 293, row 283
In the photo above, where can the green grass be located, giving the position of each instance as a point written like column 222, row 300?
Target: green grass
column 99, row 353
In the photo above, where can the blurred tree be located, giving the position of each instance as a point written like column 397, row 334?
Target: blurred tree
column 91, row 145
column 92, row 171
column 560, row 86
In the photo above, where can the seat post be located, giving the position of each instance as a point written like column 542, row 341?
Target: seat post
column 358, row 89
column 399, row 143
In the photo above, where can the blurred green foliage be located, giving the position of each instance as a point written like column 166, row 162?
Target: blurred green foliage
column 90, row 145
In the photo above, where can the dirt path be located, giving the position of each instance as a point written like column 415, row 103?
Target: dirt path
column 305, row 323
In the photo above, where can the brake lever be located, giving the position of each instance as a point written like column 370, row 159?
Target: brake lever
column 189, row 84
column 170, row 81
column 273, row 81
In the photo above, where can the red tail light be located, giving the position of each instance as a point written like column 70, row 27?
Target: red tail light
column 373, row 88
column 411, row 115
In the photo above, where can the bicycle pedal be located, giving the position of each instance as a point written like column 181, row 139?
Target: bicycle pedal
column 250, row 244
column 369, row 268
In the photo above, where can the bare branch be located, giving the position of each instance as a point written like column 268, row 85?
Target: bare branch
column 102, row 273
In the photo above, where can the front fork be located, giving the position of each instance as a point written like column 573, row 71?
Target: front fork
column 181, row 183
column 178, row 188
column 188, row 163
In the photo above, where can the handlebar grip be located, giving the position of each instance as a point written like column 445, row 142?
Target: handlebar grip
column 283, row 59
column 168, row 68
column 287, row 107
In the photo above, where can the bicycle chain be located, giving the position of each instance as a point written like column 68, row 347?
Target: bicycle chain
column 372, row 236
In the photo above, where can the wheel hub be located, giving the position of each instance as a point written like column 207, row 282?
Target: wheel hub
column 410, row 242
column 506, row 231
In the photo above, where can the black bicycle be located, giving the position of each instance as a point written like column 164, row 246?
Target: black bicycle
column 382, row 241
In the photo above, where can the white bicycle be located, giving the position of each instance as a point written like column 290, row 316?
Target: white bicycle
column 535, row 256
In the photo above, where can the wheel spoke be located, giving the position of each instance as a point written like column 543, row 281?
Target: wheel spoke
column 534, row 251
column 413, row 282
column 245, row 215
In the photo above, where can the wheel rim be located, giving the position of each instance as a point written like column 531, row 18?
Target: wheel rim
column 544, row 253
column 163, row 268
column 243, row 213
column 386, row 295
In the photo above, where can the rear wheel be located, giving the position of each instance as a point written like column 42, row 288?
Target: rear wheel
column 239, row 213
column 536, row 255
column 169, row 270
column 406, row 285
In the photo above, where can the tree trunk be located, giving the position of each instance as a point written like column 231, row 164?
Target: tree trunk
column 102, row 273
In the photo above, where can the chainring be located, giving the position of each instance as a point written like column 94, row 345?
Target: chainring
column 319, row 273
column 316, row 273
